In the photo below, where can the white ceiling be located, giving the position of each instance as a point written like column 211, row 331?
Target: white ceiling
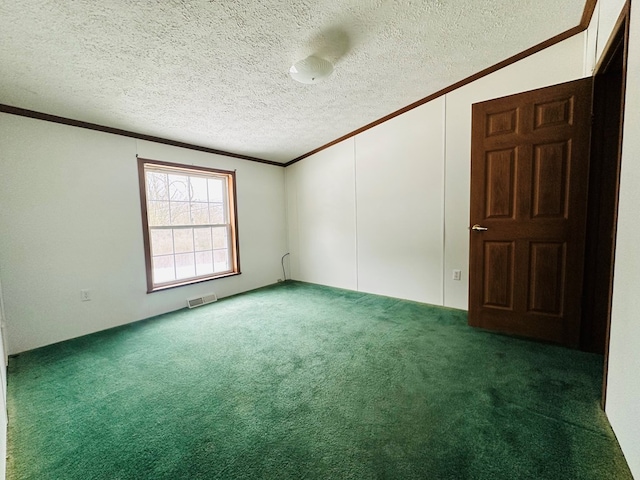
column 215, row 74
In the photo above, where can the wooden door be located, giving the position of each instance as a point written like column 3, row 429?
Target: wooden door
column 529, row 178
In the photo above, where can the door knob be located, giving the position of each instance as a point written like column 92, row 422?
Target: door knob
column 479, row 228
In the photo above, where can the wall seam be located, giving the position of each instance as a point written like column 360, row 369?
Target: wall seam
column 444, row 198
column 286, row 220
column 296, row 263
column 355, row 208
column 585, row 55
column 595, row 60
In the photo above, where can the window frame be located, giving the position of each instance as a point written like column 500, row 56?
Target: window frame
column 234, row 243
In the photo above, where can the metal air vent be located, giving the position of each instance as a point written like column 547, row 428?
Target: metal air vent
column 199, row 301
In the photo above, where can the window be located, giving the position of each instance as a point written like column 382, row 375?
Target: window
column 189, row 221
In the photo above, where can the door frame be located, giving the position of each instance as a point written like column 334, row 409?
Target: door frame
column 619, row 39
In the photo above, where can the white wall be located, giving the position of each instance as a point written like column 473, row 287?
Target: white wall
column 411, row 188
column 605, row 17
column 70, row 220
column 3, row 393
column 623, row 386
column 399, row 187
column 366, row 214
column 591, row 41
column 321, row 212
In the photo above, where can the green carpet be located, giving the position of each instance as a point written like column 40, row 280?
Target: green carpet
column 297, row 381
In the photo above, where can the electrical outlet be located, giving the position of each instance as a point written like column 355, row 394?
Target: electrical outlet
column 457, row 274
column 85, row 295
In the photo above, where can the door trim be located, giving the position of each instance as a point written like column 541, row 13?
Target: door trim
column 619, row 38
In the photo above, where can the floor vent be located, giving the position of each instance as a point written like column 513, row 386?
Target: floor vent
column 198, row 301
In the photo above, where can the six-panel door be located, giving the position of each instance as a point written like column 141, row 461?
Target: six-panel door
column 529, row 176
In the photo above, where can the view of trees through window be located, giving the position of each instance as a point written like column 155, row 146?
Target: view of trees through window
column 189, row 223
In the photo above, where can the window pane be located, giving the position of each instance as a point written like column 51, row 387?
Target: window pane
column 202, row 238
column 220, row 237
column 163, row 269
column 178, row 188
column 185, row 266
column 161, row 242
column 180, row 214
column 199, row 191
column 199, row 213
column 221, row 260
column 157, row 186
column 216, row 189
column 204, row 263
column 181, row 205
column 183, row 240
column 216, row 213
column 158, row 213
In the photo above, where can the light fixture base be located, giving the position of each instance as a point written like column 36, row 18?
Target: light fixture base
column 311, row 70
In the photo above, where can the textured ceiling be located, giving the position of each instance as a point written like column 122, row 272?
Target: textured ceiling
column 215, row 74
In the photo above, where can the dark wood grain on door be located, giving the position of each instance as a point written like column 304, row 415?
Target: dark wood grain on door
column 529, row 178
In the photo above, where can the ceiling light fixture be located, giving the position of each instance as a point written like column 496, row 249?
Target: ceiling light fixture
column 311, row 70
